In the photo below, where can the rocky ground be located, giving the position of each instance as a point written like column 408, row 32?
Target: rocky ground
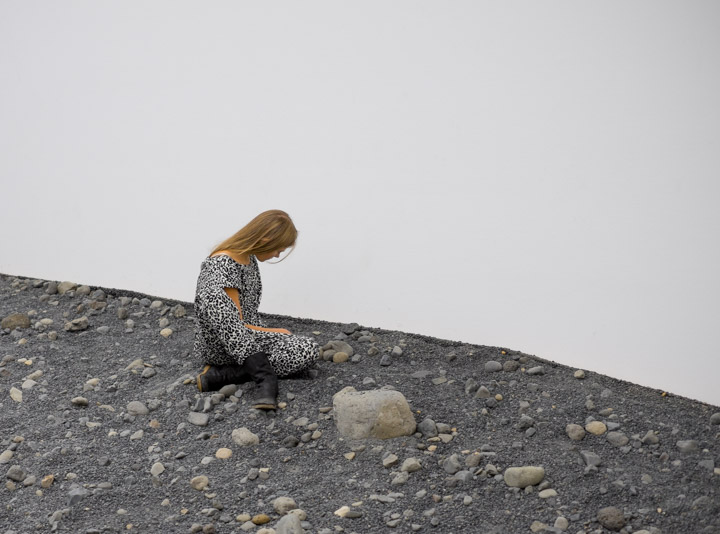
column 103, row 430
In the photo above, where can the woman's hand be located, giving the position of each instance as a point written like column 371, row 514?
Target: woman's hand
column 263, row 329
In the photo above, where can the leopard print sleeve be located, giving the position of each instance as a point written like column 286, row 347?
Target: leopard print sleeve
column 220, row 326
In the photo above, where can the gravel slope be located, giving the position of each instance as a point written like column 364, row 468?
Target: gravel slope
column 113, row 471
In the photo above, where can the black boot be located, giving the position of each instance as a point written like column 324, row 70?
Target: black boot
column 258, row 367
column 214, row 377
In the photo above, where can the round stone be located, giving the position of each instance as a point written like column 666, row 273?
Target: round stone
column 579, row 374
column 223, row 453
column 282, row 505
column 611, row 518
column 597, row 428
column 340, row 357
column 166, row 332
column 575, row 432
column 156, row 469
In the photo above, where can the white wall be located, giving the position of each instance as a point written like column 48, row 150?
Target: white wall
column 536, row 175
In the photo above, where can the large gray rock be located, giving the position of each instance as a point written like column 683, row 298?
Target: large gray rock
column 521, row 477
column 381, row 414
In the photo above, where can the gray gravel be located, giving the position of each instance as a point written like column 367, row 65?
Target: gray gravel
column 102, row 430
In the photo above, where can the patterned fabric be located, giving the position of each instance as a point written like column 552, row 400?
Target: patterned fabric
column 222, row 337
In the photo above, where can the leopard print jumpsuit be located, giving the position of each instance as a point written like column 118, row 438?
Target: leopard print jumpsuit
column 221, row 337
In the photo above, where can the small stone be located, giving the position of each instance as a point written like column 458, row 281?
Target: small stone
column 137, row 408
column 687, row 446
column 243, row 437
column 156, row 469
column 283, row 505
column 260, row 519
column 340, row 357
column 493, row 367
column 77, row 325
column 47, row 481
column 617, row 438
column 397, row 351
column 148, row 372
column 598, row 428
column 590, row 458
column 575, row 432
column 547, row 493
column 538, row 526
column 16, row 394
column 223, row 453
column 79, row 401
column 521, row 477
column 198, row 419
column 199, row 482
column 389, row 461
column 166, row 332
column 539, row 370
column 715, row 419
column 579, row 374
column 611, row 518
column 411, row 465
column 15, row 473
column 562, row 523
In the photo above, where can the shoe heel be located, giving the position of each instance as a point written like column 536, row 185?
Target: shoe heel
column 199, row 377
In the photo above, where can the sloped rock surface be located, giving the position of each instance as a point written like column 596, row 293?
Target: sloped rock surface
column 106, row 432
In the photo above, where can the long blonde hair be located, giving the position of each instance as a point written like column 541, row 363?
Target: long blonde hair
column 270, row 231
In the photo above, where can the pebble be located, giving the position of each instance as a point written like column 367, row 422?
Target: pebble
column 547, row 493
column 575, row 432
column 223, row 453
column 521, row 477
column 16, row 394
column 243, row 437
column 199, row 482
column 617, row 438
column 137, row 408
column 166, row 332
column 598, row 428
column 260, row 519
column 611, row 518
column 539, row 370
column 79, row 401
column 198, row 419
column 493, row 367
column 579, row 374
column 283, row 505
column 687, row 446
column 156, row 469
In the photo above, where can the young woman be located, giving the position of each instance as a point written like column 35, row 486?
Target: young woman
column 230, row 338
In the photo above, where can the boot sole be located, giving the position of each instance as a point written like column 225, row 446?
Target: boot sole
column 199, row 377
column 265, row 407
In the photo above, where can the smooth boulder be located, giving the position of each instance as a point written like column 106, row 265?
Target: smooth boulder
column 381, row 414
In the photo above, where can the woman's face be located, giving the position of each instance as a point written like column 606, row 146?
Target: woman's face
column 264, row 256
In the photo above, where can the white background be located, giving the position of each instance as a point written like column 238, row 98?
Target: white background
column 541, row 176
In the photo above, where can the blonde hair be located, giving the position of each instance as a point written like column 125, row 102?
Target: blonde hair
column 270, row 231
